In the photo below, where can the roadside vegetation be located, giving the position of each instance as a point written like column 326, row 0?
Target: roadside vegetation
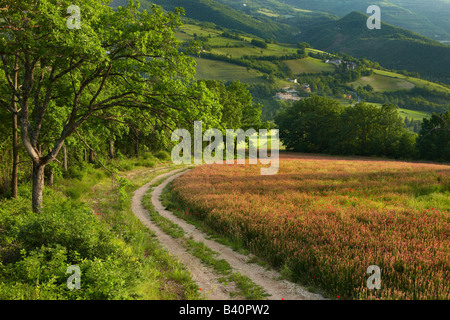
column 87, row 221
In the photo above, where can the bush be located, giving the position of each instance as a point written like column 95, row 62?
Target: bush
column 259, row 43
column 163, row 156
column 36, row 251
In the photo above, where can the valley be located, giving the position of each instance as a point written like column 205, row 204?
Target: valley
column 227, row 56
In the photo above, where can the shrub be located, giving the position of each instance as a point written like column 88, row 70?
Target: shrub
column 163, row 155
column 36, row 251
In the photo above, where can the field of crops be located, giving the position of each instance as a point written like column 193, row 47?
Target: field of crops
column 224, row 71
column 384, row 83
column 309, row 65
column 325, row 220
column 417, row 82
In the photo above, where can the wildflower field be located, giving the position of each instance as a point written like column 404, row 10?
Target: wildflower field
column 325, row 220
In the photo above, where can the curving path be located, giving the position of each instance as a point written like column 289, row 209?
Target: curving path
column 206, row 279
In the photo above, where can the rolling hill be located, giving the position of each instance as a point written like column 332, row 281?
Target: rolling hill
column 297, row 20
column 227, row 17
column 429, row 18
column 392, row 47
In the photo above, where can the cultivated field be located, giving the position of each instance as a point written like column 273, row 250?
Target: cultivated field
column 417, row 82
column 384, row 83
column 325, row 220
column 309, row 65
column 405, row 113
column 224, row 71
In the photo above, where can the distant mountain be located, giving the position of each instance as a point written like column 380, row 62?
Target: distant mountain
column 392, row 47
column 427, row 17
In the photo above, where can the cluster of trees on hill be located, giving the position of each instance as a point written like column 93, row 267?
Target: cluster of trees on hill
column 333, row 84
column 259, row 43
column 322, row 125
column 421, row 99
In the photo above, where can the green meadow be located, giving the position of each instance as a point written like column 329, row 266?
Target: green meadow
column 224, row 71
column 309, row 65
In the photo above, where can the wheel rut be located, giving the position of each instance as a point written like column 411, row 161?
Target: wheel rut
column 207, row 280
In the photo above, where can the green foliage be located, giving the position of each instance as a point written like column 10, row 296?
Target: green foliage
column 433, row 142
column 310, row 125
column 66, row 233
column 259, row 43
column 163, row 155
column 323, row 125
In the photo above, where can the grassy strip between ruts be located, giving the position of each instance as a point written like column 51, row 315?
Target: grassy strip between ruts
column 246, row 287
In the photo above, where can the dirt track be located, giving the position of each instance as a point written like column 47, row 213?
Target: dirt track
column 206, row 279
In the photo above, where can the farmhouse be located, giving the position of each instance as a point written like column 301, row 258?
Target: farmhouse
column 288, row 96
column 334, row 61
column 350, row 65
column 306, row 87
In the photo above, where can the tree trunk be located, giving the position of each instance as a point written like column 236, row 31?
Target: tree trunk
column 15, row 159
column 65, row 157
column 38, row 187
column 50, row 176
column 85, row 156
column 91, row 156
column 15, row 145
column 137, row 144
column 111, row 149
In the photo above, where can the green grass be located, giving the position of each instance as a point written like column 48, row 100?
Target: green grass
column 405, row 113
column 272, row 50
column 384, row 83
column 190, row 29
column 420, row 83
column 136, row 266
column 224, row 71
column 247, row 288
column 309, row 65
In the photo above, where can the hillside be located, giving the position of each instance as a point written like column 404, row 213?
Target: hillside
column 429, row 18
column 392, row 47
column 227, row 17
column 234, row 57
column 281, row 12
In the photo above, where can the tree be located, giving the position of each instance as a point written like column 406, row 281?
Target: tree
column 123, row 59
column 259, row 43
column 303, row 45
column 358, row 125
column 433, row 142
column 310, row 125
column 390, row 131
